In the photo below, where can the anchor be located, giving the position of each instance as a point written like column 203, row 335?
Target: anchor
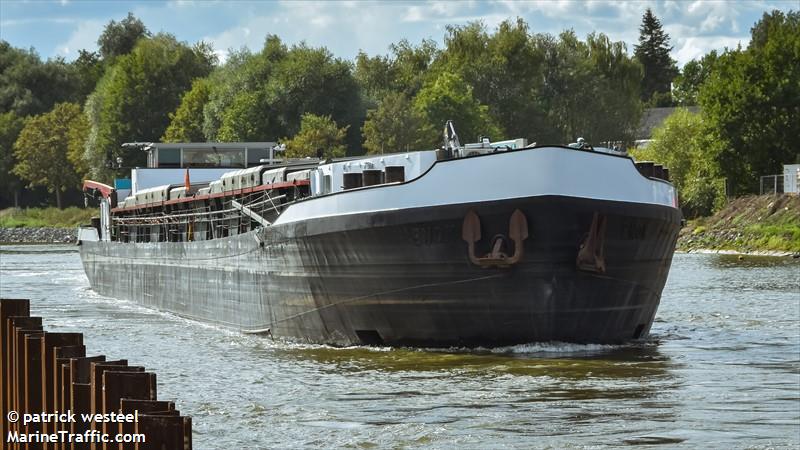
column 517, row 232
column 591, row 253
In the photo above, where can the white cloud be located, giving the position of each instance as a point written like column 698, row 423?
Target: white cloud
column 84, row 37
column 695, row 27
column 689, row 48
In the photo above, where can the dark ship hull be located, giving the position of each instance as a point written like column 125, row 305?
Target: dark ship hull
column 405, row 276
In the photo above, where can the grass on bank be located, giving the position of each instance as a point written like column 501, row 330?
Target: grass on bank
column 753, row 223
column 45, row 217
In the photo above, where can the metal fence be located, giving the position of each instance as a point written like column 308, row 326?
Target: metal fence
column 771, row 184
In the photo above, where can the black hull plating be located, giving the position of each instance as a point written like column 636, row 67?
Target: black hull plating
column 405, row 277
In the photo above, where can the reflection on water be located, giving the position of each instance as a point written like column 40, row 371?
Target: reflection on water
column 722, row 261
column 721, row 370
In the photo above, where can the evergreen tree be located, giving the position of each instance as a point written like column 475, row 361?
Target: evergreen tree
column 653, row 53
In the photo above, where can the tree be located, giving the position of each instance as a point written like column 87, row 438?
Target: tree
column 10, row 126
column 133, row 99
column 89, row 69
column 505, row 70
column 449, row 97
column 42, row 149
column 396, row 126
column 752, row 100
column 318, row 136
column 404, row 71
column 263, row 96
column 686, row 144
column 30, row 86
column 240, row 73
column 590, row 89
column 694, row 74
column 186, row 123
column 653, row 53
column 119, row 38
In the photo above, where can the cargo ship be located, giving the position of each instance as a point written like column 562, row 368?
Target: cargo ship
column 485, row 244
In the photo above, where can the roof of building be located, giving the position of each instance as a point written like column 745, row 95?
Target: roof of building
column 653, row 117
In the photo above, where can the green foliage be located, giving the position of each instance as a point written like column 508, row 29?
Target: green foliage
column 396, row 126
column 752, row 100
column 133, row 99
column 590, row 89
column 318, row 136
column 653, row 53
column 89, row 68
column 10, row 126
column 505, row 70
column 45, row 217
column 77, row 136
column 686, row 145
column 119, row 38
column 404, row 71
column 28, row 86
column 42, row 149
column 694, row 74
column 186, row 124
column 765, row 222
column 449, row 97
column 242, row 73
column 262, row 96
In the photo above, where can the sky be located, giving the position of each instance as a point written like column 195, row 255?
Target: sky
column 61, row 28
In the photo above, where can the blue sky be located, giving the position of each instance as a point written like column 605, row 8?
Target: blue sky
column 61, row 28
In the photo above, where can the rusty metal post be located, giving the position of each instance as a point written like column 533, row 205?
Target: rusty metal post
column 61, row 383
column 50, row 342
column 8, row 307
column 22, row 327
column 61, row 356
column 47, row 372
column 150, row 407
column 96, row 380
column 33, row 381
column 131, row 385
column 172, row 432
column 80, row 395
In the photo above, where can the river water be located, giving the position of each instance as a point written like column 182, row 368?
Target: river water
column 721, row 370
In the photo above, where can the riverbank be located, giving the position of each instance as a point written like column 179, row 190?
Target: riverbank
column 38, row 235
column 45, row 217
column 42, row 225
column 760, row 225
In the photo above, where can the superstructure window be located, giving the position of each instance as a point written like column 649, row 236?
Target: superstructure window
column 169, row 157
column 213, row 157
column 255, row 155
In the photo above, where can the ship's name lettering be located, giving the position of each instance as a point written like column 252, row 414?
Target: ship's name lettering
column 424, row 235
